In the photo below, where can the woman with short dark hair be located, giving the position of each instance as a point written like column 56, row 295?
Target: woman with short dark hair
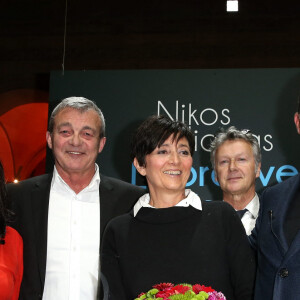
column 11, row 250
column 171, row 235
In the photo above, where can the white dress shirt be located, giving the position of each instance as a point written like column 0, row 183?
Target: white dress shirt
column 73, row 241
column 191, row 199
column 250, row 216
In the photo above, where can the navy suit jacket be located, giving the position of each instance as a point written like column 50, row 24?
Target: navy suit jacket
column 30, row 200
column 278, row 272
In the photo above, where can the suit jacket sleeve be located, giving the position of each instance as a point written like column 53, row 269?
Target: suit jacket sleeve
column 116, row 198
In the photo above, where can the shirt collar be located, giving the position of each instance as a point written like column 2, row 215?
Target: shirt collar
column 191, row 199
column 253, row 206
column 58, row 182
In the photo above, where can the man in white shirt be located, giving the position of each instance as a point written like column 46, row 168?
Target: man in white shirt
column 61, row 216
column 236, row 159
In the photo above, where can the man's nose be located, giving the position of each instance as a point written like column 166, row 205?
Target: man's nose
column 75, row 140
column 232, row 164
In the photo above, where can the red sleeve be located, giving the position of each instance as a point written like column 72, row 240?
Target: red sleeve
column 18, row 274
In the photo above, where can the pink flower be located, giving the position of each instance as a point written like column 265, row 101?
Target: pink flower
column 216, row 296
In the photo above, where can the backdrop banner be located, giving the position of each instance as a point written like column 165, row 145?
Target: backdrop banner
column 262, row 100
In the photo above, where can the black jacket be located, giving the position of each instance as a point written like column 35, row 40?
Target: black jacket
column 30, row 202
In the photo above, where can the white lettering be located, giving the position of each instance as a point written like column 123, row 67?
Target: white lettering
column 202, row 142
column 268, row 142
column 226, row 116
column 159, row 104
column 191, row 115
column 211, row 123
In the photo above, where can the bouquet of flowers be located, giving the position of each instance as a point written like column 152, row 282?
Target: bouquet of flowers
column 169, row 291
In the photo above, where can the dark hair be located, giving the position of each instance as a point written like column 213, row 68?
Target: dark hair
column 5, row 214
column 298, row 105
column 153, row 132
column 81, row 104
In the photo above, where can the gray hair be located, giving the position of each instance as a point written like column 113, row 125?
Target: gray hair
column 232, row 134
column 80, row 103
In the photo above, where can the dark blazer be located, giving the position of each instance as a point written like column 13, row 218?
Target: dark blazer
column 30, row 202
column 278, row 273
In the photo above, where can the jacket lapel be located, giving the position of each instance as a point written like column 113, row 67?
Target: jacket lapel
column 295, row 246
column 105, row 189
column 40, row 204
column 288, row 193
column 105, row 205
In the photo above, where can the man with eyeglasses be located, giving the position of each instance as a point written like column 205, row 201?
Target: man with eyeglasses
column 276, row 237
column 236, row 159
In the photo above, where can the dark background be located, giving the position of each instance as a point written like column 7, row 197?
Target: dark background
column 260, row 99
column 135, row 34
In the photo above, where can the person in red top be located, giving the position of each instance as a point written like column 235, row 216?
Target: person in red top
column 11, row 250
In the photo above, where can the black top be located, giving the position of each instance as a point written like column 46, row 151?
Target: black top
column 178, row 245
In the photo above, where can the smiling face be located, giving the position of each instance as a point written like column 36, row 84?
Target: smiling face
column 168, row 167
column 235, row 168
column 75, row 142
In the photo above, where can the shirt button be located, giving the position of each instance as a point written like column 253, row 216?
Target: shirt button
column 284, row 273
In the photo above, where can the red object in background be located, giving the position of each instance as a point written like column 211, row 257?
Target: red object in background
column 23, row 126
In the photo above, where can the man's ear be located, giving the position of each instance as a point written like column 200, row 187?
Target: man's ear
column 216, row 177
column 297, row 121
column 140, row 169
column 49, row 139
column 102, row 144
column 258, row 171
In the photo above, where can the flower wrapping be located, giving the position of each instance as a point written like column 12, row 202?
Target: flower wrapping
column 184, row 291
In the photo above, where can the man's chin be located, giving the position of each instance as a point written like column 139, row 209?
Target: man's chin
column 234, row 190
